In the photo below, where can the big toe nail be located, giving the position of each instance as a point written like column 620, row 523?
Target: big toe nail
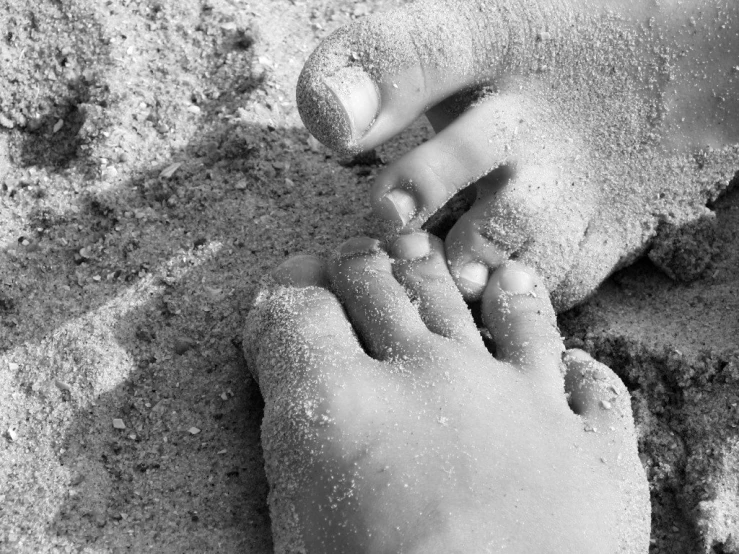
column 301, row 271
column 338, row 108
column 357, row 96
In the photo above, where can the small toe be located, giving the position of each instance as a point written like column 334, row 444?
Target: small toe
column 517, row 312
column 471, row 256
column 527, row 214
column 509, row 220
column 387, row 322
column 597, row 394
column 420, row 266
column 464, row 151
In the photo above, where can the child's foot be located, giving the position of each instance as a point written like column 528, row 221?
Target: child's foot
column 604, row 118
column 389, row 427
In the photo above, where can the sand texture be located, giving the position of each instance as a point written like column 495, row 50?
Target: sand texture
column 153, row 167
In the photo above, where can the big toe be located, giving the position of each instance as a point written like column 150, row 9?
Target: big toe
column 369, row 80
column 311, row 371
column 297, row 328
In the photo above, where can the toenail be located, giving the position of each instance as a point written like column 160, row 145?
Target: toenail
column 398, row 205
column 515, row 281
column 577, row 355
column 474, row 276
column 411, row 247
column 358, row 246
column 359, row 97
column 300, row 271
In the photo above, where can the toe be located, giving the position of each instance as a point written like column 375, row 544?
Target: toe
column 517, row 312
column 419, row 183
column 378, row 306
column 420, row 266
column 369, row 80
column 311, row 371
column 471, row 256
column 529, row 214
column 597, row 395
column 602, row 402
column 293, row 331
column 599, row 254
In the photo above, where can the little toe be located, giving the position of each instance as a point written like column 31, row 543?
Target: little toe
column 369, row 80
column 378, row 306
column 420, row 266
column 600, row 399
column 598, row 396
column 517, row 312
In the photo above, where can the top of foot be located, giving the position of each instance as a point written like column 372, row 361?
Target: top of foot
column 389, row 427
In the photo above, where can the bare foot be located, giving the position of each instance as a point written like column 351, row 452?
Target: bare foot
column 389, row 427
column 602, row 117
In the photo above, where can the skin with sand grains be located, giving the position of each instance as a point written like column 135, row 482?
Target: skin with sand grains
column 586, row 125
column 389, row 427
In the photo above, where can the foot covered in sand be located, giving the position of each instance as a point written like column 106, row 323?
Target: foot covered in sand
column 389, row 427
column 593, row 122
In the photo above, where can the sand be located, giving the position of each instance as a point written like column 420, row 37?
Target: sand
column 152, row 167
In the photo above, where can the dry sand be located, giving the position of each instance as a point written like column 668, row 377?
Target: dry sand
column 152, row 168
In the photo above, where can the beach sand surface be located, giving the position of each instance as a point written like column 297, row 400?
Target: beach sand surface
column 153, row 167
